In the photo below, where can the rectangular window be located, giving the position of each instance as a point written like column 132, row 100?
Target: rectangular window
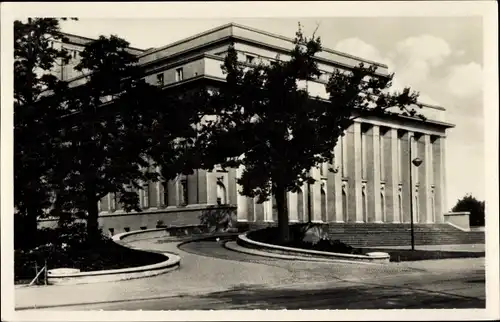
column 183, row 192
column 179, row 74
column 160, row 79
column 250, row 59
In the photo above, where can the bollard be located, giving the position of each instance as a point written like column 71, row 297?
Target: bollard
column 45, row 273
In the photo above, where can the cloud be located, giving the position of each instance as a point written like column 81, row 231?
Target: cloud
column 414, row 58
column 360, row 48
column 465, row 80
column 424, row 49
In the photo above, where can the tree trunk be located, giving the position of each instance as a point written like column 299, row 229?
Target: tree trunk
column 93, row 233
column 281, row 203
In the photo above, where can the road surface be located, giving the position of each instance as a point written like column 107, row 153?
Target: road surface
column 283, row 284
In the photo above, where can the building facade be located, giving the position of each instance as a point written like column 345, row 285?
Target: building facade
column 371, row 181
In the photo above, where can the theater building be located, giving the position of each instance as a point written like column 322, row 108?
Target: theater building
column 371, row 183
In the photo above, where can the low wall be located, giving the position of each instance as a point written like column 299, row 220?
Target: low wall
column 171, row 262
column 376, row 257
column 459, row 220
column 121, row 221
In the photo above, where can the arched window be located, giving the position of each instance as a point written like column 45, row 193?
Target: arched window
column 221, row 194
column 164, row 186
column 300, row 205
column 323, row 205
column 183, row 191
column 112, row 201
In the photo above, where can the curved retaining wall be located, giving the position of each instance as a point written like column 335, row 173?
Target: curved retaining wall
column 376, row 257
column 171, row 263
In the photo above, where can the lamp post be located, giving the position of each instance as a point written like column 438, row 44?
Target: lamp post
column 416, row 162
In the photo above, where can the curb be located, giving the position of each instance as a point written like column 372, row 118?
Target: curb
column 376, row 257
column 171, row 263
column 233, row 246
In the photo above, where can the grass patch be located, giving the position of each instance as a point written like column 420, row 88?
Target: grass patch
column 408, row 255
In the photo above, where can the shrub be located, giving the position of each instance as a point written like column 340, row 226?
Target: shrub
column 68, row 247
column 218, row 218
column 474, row 206
column 298, row 233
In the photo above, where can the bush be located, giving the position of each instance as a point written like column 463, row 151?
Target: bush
column 474, row 206
column 297, row 235
column 218, row 218
column 68, row 247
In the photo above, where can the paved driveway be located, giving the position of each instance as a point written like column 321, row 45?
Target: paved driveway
column 210, row 277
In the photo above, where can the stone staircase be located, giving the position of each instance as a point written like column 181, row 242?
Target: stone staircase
column 370, row 234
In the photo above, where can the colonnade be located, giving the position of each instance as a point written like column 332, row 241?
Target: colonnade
column 370, row 182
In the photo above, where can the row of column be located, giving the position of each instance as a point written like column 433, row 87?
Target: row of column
column 372, row 181
column 200, row 188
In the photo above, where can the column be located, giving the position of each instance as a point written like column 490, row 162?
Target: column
column 335, row 186
column 293, row 215
column 241, row 202
column 250, row 209
column 444, row 200
column 425, row 179
column 391, row 164
column 405, row 175
column 105, row 203
column 373, row 174
column 353, row 151
column 232, row 193
column 267, row 210
column 202, row 186
column 192, row 188
column 173, row 191
column 316, row 196
column 159, row 191
column 258, row 210
column 437, row 179
column 211, row 188
column 415, row 179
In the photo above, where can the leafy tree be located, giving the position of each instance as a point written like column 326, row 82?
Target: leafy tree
column 119, row 131
column 103, row 144
column 35, row 114
column 266, row 120
column 474, row 206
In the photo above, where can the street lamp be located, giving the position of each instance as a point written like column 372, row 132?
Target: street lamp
column 416, row 162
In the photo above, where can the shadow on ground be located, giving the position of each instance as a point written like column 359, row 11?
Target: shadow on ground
column 358, row 297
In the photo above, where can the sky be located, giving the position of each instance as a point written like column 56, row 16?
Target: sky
column 440, row 57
